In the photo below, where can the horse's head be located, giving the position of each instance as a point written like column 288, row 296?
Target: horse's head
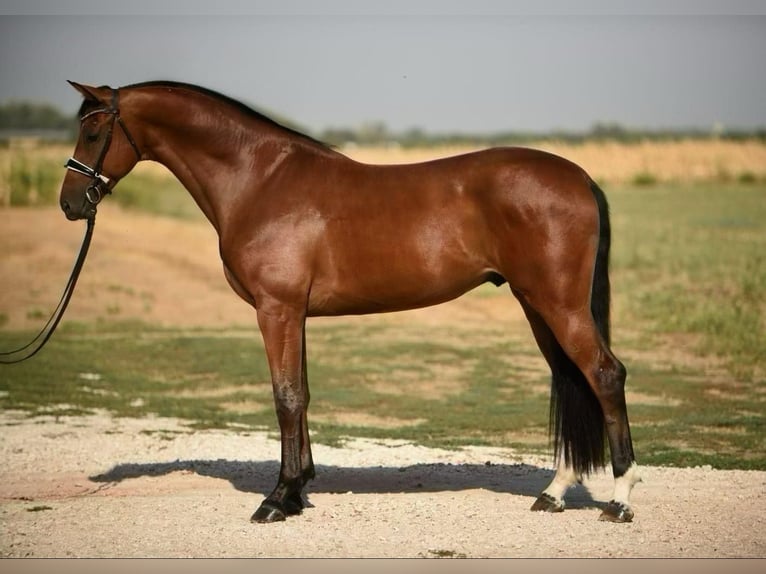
column 103, row 154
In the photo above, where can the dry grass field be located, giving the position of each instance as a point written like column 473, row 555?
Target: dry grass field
column 683, row 161
column 30, row 174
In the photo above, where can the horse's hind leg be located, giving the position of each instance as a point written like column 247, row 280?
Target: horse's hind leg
column 588, row 381
column 552, row 498
column 576, row 332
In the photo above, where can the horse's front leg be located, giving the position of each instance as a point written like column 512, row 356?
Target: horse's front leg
column 283, row 333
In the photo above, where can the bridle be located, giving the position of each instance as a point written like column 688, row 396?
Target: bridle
column 95, row 191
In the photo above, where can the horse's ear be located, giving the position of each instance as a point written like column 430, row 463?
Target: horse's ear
column 91, row 93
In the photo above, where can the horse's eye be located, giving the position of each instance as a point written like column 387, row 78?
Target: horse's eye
column 92, row 137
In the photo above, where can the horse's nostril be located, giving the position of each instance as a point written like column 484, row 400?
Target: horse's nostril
column 65, row 205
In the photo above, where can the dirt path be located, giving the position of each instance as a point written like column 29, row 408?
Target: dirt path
column 163, row 271
column 102, row 487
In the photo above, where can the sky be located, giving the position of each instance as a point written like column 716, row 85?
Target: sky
column 478, row 66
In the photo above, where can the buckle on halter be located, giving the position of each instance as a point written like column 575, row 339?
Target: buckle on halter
column 94, row 193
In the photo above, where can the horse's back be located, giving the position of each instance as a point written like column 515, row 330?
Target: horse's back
column 404, row 236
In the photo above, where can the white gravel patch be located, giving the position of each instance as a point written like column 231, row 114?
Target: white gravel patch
column 98, row 486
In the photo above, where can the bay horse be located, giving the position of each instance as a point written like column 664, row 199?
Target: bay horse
column 306, row 231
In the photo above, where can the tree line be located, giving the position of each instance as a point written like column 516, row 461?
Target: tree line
column 376, row 133
column 20, row 116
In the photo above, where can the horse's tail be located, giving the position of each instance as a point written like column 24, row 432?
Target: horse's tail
column 576, row 418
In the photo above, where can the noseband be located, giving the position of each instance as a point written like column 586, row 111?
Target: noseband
column 94, row 193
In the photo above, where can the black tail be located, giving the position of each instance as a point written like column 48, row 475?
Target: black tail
column 576, row 418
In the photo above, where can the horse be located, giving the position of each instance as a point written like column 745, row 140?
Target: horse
column 306, row 231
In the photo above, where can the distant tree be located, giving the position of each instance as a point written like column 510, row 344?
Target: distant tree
column 373, row 133
column 339, row 136
column 609, row 130
column 23, row 115
column 414, row 137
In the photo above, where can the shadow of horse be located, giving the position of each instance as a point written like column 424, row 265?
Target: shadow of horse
column 258, row 477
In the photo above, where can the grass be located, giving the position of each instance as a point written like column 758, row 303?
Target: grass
column 692, row 259
column 32, row 176
column 154, row 191
column 614, row 163
column 689, row 283
column 220, row 379
column 203, row 376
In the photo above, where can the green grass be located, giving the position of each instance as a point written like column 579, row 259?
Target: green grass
column 35, row 176
column 202, row 375
column 34, row 180
column 693, row 260
column 689, row 282
column 381, row 371
column 158, row 194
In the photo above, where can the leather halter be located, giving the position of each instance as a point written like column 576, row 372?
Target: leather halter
column 94, row 193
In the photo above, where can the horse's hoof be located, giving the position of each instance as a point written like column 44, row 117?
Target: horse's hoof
column 294, row 504
column 269, row 512
column 616, row 512
column 546, row 503
column 272, row 511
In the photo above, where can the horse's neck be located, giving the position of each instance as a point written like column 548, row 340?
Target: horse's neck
column 217, row 162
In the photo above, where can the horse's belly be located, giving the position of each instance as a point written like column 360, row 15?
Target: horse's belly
column 393, row 260
column 384, row 291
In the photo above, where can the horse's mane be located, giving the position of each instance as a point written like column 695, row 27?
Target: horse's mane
column 239, row 106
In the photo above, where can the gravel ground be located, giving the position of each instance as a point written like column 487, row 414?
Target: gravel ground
column 98, row 486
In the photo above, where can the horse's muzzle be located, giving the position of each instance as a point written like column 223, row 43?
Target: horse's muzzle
column 86, row 211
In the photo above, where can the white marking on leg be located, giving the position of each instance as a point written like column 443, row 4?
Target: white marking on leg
column 624, row 484
column 565, row 477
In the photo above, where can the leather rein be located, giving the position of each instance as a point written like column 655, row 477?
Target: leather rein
column 99, row 186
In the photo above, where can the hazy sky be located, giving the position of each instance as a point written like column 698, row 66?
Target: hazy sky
column 476, row 66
